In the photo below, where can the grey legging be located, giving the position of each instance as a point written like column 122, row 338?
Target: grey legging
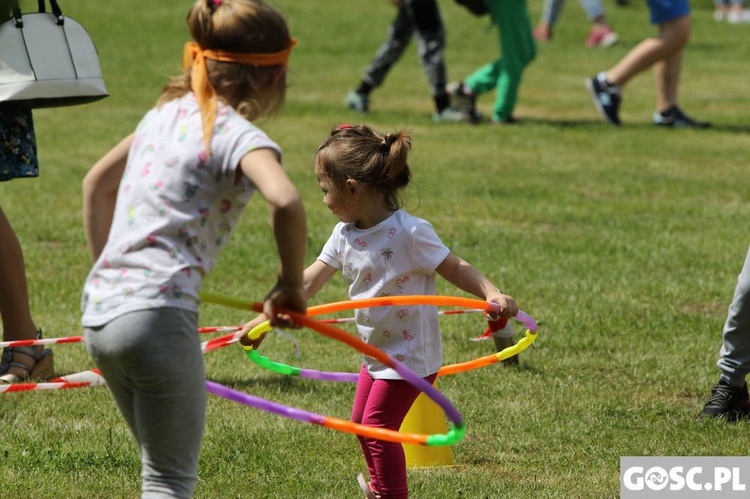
column 734, row 360
column 153, row 365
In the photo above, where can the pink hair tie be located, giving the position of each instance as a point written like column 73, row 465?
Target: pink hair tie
column 340, row 127
column 216, row 2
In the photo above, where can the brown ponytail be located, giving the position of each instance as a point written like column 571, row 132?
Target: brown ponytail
column 359, row 153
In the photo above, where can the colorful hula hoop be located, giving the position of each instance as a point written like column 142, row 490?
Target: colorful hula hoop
column 346, row 377
column 436, row 300
column 288, row 370
column 450, row 438
column 454, row 435
column 383, row 301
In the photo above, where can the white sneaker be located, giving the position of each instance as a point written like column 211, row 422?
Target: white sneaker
column 451, row 115
column 357, row 102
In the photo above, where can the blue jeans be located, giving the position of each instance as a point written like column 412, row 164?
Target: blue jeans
column 553, row 8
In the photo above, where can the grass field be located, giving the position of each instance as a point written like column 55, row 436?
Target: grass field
column 623, row 243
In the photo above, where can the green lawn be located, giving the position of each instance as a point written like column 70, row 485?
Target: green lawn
column 623, row 243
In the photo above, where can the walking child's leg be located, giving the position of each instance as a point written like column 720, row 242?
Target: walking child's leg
column 391, row 50
column 518, row 50
column 430, row 34
column 673, row 36
column 667, row 71
column 594, row 10
column 551, row 11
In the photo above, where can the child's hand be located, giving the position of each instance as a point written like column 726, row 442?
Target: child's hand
column 508, row 307
column 249, row 326
column 284, row 297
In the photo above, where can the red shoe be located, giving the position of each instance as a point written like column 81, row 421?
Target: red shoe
column 602, row 36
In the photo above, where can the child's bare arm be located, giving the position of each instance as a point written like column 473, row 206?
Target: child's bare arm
column 315, row 276
column 100, row 195
column 289, row 225
column 464, row 276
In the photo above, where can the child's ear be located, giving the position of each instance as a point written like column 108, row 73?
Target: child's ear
column 353, row 186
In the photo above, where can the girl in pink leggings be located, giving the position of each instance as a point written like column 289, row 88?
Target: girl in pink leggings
column 381, row 250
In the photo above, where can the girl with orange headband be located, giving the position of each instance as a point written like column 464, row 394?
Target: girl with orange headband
column 159, row 208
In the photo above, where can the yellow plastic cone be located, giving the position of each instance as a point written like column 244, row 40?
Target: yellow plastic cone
column 426, row 417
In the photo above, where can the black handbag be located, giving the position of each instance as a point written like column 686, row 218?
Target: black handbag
column 47, row 60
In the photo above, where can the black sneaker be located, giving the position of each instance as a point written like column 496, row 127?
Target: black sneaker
column 675, row 118
column 463, row 100
column 606, row 99
column 727, row 402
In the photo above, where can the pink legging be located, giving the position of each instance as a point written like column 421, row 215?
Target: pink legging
column 384, row 403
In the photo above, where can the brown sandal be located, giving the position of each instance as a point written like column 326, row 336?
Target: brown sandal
column 20, row 364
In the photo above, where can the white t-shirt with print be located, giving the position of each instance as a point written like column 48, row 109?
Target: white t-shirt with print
column 396, row 257
column 176, row 209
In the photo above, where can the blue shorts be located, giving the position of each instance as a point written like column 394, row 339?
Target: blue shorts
column 663, row 11
column 17, row 145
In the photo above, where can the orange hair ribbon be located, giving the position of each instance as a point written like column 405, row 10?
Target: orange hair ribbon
column 204, row 92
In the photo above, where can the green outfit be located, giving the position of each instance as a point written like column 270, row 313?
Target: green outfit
column 517, row 48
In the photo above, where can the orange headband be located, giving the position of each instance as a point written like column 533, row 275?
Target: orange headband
column 201, row 85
